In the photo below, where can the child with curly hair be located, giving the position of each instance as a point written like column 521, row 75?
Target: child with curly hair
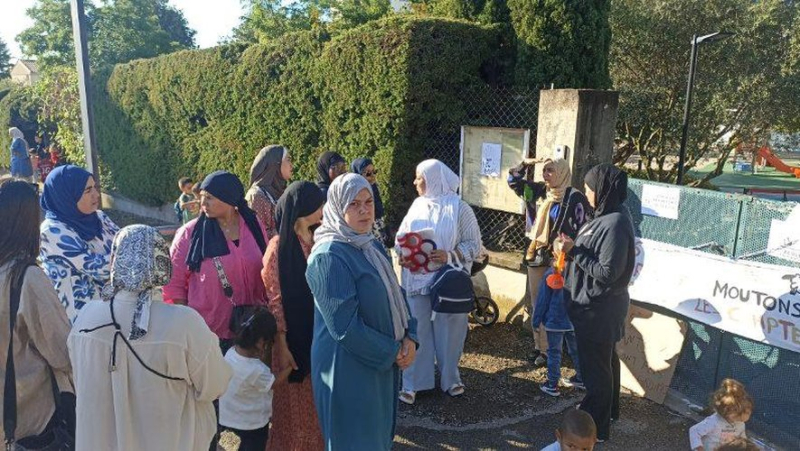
column 733, row 407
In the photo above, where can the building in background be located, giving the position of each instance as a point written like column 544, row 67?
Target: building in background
column 25, row 72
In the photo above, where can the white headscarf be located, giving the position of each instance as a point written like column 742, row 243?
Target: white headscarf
column 341, row 193
column 437, row 209
column 15, row 133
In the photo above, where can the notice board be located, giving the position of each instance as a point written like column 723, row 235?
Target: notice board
column 487, row 153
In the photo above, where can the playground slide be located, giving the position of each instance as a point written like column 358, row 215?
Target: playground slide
column 777, row 163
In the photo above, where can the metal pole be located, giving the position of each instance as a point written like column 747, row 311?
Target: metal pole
column 84, row 86
column 687, row 111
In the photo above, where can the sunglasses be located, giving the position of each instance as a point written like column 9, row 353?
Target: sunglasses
column 371, row 173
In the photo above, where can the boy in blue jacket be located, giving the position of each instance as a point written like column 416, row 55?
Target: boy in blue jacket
column 551, row 313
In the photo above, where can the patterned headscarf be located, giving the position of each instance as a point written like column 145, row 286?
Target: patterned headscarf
column 342, row 192
column 140, row 264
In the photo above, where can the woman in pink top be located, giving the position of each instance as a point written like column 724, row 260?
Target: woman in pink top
column 226, row 228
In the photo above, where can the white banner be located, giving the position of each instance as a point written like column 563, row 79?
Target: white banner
column 754, row 300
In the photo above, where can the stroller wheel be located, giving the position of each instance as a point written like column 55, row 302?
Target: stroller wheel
column 486, row 311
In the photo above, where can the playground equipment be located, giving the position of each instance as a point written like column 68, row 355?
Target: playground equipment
column 771, row 159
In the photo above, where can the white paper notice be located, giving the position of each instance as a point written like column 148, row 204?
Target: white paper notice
column 491, row 155
column 784, row 237
column 661, row 201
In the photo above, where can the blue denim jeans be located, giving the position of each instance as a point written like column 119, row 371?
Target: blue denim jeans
column 555, row 343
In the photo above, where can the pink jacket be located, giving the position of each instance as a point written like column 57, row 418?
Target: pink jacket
column 204, row 290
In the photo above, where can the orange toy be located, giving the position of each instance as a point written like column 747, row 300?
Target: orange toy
column 556, row 280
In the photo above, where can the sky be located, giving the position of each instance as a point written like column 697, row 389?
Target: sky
column 212, row 19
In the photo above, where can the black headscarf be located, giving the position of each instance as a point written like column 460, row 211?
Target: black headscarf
column 208, row 241
column 357, row 167
column 324, row 164
column 300, row 199
column 610, row 186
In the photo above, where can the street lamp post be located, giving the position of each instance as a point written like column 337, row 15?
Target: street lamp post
column 696, row 41
column 84, row 87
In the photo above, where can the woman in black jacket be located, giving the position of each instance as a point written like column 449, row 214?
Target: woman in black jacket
column 601, row 261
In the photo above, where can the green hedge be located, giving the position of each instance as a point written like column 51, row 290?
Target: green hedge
column 565, row 43
column 378, row 90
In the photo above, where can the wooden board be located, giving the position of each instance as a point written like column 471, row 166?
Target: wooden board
column 649, row 352
column 491, row 191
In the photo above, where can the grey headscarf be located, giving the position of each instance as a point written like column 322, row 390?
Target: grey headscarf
column 265, row 172
column 140, row 264
column 342, row 192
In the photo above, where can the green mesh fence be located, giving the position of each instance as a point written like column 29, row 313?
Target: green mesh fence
column 707, row 220
column 731, row 225
column 757, row 218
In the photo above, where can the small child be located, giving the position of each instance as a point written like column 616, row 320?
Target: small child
column 46, row 165
column 187, row 206
column 551, row 313
column 577, row 432
column 246, row 407
column 733, row 408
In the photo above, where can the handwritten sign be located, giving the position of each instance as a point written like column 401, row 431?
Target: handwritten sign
column 660, row 201
column 755, row 300
column 491, row 157
column 649, row 351
column 784, row 237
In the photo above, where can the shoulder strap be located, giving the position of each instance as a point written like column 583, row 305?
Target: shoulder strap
column 223, row 279
column 10, row 388
column 563, row 210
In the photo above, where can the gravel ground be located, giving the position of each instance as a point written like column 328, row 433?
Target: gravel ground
column 503, row 408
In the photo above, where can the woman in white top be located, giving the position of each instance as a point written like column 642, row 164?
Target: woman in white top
column 146, row 373
column 455, row 230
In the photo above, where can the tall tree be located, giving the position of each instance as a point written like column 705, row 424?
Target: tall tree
column 265, row 20
column 49, row 39
column 352, row 13
column 5, row 60
column 745, row 85
column 561, row 42
column 174, row 23
column 119, row 31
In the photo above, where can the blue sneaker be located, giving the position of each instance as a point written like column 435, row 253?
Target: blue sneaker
column 551, row 390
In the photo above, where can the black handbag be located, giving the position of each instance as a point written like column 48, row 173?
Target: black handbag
column 59, row 435
column 241, row 313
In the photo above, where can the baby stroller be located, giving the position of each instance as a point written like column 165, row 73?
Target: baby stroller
column 486, row 311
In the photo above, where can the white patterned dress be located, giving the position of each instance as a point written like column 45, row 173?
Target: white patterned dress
column 78, row 269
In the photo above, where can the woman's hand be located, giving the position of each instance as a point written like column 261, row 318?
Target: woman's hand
column 407, row 354
column 284, row 358
column 406, row 262
column 438, row 256
column 563, row 244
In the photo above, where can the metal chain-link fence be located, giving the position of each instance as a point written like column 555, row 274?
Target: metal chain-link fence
column 490, row 107
column 733, row 226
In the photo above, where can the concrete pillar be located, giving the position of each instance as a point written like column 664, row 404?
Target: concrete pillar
column 583, row 121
